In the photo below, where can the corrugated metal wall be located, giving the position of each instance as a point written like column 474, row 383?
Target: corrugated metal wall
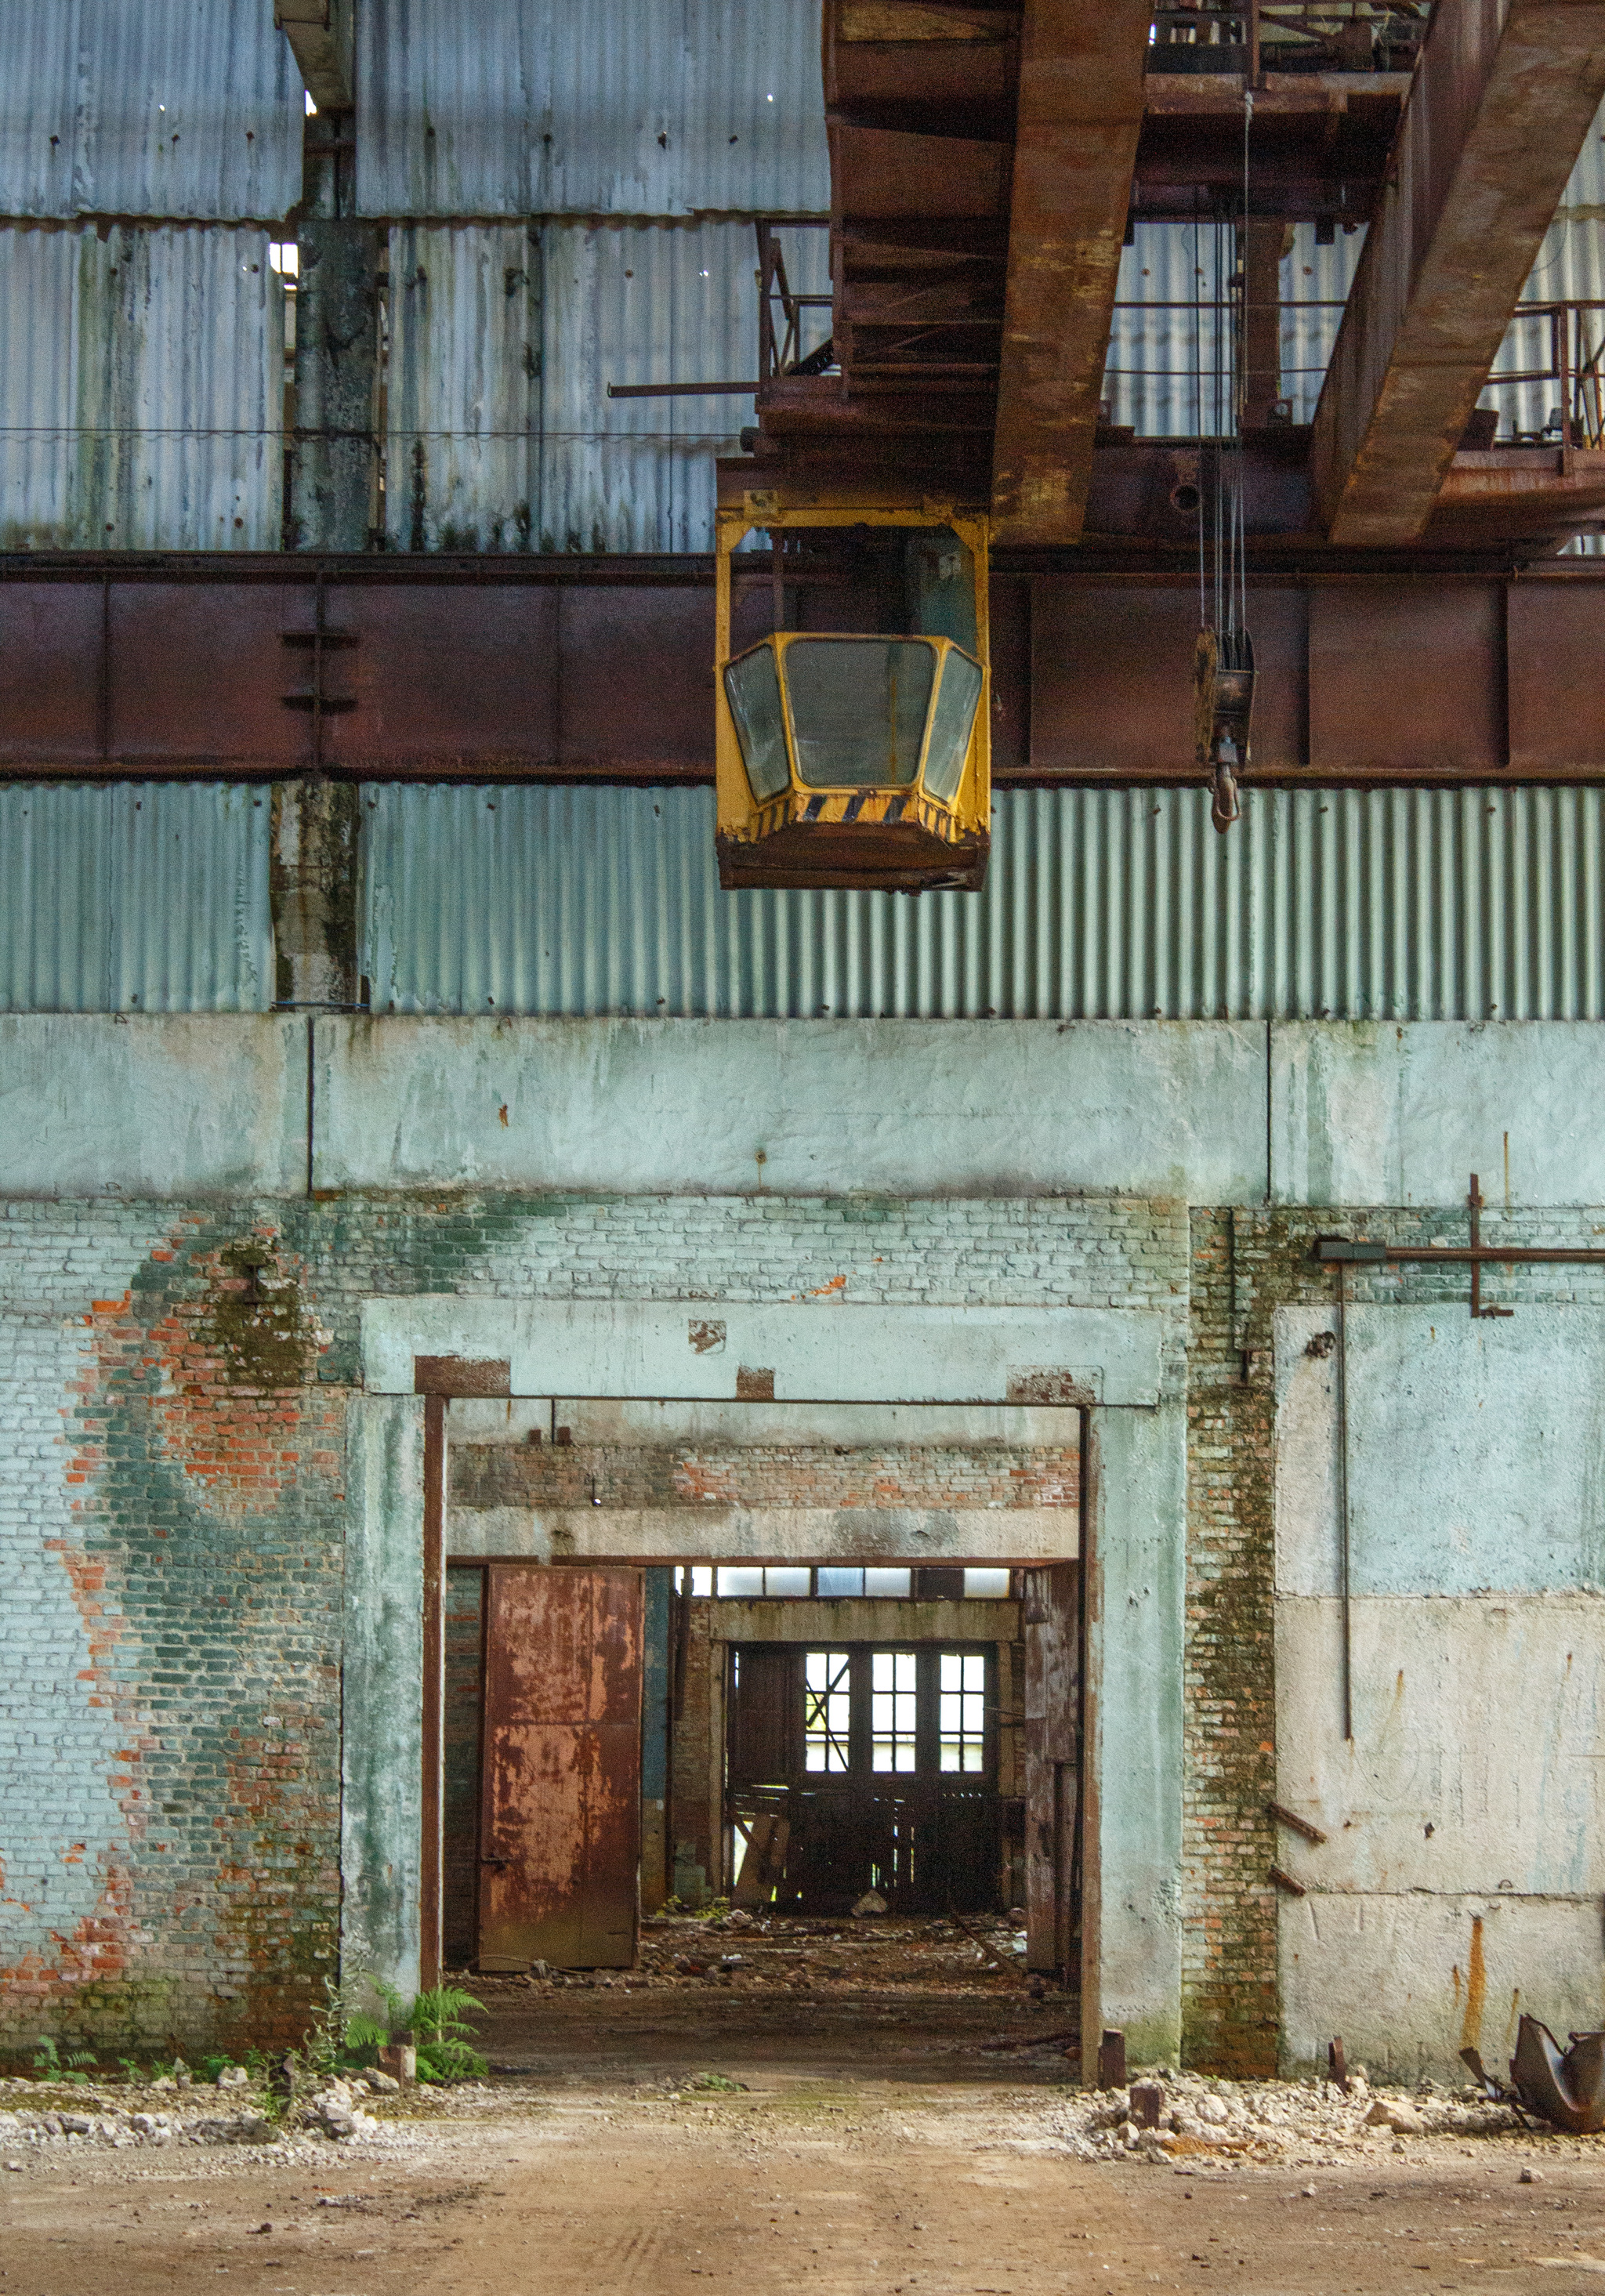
column 543, row 107
column 462, row 446
column 1394, row 905
column 141, row 389
column 147, row 108
column 649, row 304
column 137, row 896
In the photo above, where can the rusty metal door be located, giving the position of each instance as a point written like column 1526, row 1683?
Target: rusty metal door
column 1052, row 1634
column 560, row 1837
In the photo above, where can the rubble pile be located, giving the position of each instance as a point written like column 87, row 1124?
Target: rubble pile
column 1314, row 2122
column 781, row 1954
column 168, row 2112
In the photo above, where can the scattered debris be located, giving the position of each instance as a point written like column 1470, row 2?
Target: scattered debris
column 1203, row 2119
column 1564, row 2086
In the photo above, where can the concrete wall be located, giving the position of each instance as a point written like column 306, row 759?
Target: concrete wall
column 1208, row 1112
column 1464, row 1868
column 178, row 1526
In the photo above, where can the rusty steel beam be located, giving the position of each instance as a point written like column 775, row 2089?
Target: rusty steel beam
column 564, row 670
column 1503, row 98
column 1080, row 114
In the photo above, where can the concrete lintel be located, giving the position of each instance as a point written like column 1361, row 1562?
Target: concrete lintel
column 1154, row 1108
column 818, row 1350
column 1136, row 1589
column 736, row 1534
column 382, row 1806
column 628, row 1424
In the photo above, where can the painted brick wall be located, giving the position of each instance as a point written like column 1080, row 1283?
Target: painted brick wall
column 173, row 1386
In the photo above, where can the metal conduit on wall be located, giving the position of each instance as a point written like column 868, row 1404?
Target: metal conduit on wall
column 1472, row 903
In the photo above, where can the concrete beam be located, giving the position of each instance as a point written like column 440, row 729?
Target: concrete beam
column 780, row 1534
column 1503, row 96
column 817, row 1350
column 319, row 32
column 334, row 472
column 1153, row 1108
column 313, row 880
column 1081, row 111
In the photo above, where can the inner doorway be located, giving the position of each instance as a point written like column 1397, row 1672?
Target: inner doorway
column 865, row 1770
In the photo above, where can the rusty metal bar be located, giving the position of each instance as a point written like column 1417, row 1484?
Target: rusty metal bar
column 1080, row 115
column 1497, row 113
column 1342, row 1376
column 434, row 1673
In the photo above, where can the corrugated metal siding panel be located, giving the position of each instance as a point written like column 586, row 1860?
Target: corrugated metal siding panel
column 642, row 108
column 1376, row 905
column 143, row 391
column 1315, row 281
column 648, row 303
column 174, row 108
column 135, row 896
column 463, row 404
column 1160, row 374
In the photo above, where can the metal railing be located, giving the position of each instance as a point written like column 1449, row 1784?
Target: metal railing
column 1574, row 366
column 1256, row 36
column 779, row 315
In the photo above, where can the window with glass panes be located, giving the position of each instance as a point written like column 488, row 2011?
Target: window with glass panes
column 961, row 1712
column 827, row 1711
column 894, row 1711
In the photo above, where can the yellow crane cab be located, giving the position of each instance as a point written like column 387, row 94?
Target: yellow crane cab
column 852, row 756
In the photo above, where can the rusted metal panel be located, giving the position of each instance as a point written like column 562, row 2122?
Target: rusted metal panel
column 1436, row 652
column 135, row 896
column 499, row 668
column 1052, row 1735
column 562, row 1824
column 1556, row 645
column 159, row 109
column 648, row 108
column 1080, row 113
column 1503, row 98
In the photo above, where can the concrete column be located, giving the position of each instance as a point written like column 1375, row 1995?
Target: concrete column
column 1136, row 1613
column 313, row 889
column 334, row 471
column 381, row 1779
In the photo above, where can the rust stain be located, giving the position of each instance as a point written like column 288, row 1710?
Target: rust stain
column 1477, row 1988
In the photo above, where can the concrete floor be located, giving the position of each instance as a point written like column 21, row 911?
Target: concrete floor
column 877, row 2144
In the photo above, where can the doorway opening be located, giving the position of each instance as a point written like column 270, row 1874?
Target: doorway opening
column 868, row 1772
column 619, row 1739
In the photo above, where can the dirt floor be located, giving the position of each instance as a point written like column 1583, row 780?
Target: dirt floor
column 773, row 2126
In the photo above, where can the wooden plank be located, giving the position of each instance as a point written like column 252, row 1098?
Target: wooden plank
column 1080, row 114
